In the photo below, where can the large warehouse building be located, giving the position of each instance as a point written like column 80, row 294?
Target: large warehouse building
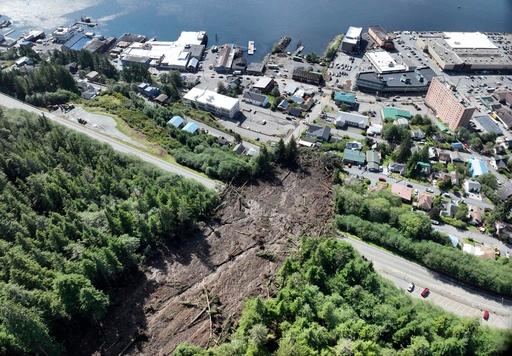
column 465, row 51
column 217, row 104
column 378, row 35
column 448, row 105
column 167, row 55
column 402, row 82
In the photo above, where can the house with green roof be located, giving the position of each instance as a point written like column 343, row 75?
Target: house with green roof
column 353, row 156
column 393, row 113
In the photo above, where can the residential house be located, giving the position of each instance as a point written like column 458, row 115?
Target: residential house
column 255, row 99
column 475, row 215
column 294, row 111
column 477, row 167
column 374, row 129
column 318, row 133
column 402, row 191
column 455, row 157
column 401, row 122
column 354, row 145
column 425, row 201
column 239, row 149
column 418, row 135
column 432, row 153
column 444, row 157
column 504, row 115
column 162, row 99
column 449, row 209
column 505, row 191
column 93, row 76
column 423, row 168
column 503, row 231
column 455, row 177
column 397, row 168
column 353, row 157
column 283, row 105
column 472, row 186
column 373, row 159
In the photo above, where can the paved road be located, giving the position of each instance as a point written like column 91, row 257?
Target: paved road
column 477, row 236
column 11, row 103
column 445, row 292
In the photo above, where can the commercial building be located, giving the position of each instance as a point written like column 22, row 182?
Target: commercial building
column 443, row 98
column 402, row 82
column 213, row 102
column 384, row 62
column 224, row 63
column 346, row 99
column 352, row 40
column 303, row 75
column 378, row 35
column 503, row 96
column 255, row 98
column 393, row 113
column 166, row 55
column 465, row 51
column 256, row 68
column 344, row 119
column 504, row 115
column 264, row 84
column 487, row 125
column 63, row 34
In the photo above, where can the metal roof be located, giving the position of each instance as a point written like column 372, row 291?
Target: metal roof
column 191, row 127
column 485, row 123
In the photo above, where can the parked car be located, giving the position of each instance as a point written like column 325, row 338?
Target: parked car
column 435, row 222
column 410, row 288
column 382, row 179
column 486, row 315
column 409, row 185
column 425, row 292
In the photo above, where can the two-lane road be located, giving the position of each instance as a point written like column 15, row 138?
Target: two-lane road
column 445, row 292
column 117, row 145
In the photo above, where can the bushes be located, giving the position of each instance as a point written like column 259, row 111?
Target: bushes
column 331, row 302
column 484, row 274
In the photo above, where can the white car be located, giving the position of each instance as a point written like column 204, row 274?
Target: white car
column 410, row 288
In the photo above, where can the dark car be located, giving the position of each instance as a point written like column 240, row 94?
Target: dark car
column 425, row 292
column 409, row 185
column 486, row 315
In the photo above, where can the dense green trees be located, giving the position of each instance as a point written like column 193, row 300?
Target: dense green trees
column 380, row 219
column 86, row 61
column 48, row 83
column 331, row 302
column 74, row 218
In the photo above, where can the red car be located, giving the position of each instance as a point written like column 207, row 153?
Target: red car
column 486, row 315
column 425, row 292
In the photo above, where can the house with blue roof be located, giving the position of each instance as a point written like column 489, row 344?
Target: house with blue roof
column 191, row 127
column 151, row 92
column 346, row 99
column 176, row 121
column 477, row 167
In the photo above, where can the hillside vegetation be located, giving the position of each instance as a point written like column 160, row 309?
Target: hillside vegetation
column 75, row 218
column 332, row 302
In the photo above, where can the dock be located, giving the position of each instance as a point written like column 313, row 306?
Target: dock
column 250, row 48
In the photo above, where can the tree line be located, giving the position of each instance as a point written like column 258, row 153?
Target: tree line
column 378, row 218
column 332, row 302
column 75, row 218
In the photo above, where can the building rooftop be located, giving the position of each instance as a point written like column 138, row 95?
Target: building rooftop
column 319, row 132
column 384, row 62
column 352, row 117
column 353, row 34
column 354, row 156
column 395, row 113
column 345, row 97
column 191, row 127
column 478, row 167
column 208, row 97
column 419, row 78
column 402, row 191
column 176, row 121
column 263, row 83
column 486, row 124
column 472, row 40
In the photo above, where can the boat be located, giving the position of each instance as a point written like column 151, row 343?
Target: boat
column 250, row 48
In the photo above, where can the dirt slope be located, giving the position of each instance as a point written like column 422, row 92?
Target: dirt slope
column 234, row 256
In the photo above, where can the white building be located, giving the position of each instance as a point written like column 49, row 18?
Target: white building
column 62, row 34
column 213, row 102
column 384, row 62
column 352, row 39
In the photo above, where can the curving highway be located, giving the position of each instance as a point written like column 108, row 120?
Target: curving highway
column 444, row 291
column 117, row 145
